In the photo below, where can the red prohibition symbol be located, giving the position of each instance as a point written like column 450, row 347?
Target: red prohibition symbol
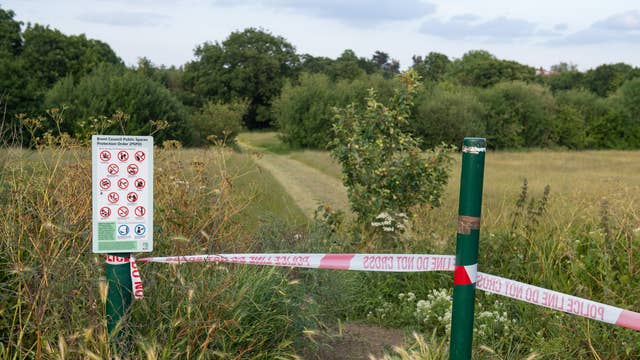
column 123, row 183
column 132, row 169
column 123, row 156
column 105, row 184
column 113, row 169
column 105, row 212
column 139, row 156
column 132, row 197
column 113, row 197
column 140, row 211
column 105, row 155
column 123, row 211
column 139, row 184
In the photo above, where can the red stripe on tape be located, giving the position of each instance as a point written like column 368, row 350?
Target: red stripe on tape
column 460, row 276
column 629, row 319
column 336, row 261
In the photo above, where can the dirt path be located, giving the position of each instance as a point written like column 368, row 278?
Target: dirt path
column 308, row 187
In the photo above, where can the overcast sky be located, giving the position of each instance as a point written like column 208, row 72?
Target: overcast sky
column 538, row 33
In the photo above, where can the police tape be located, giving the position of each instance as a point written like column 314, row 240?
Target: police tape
column 420, row 263
column 558, row 301
column 134, row 273
column 361, row 262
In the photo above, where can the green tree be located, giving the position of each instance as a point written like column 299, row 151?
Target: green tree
column 303, row 111
column 433, row 67
column 481, row 68
column 384, row 169
column 447, row 113
column 579, row 113
column 606, row 79
column 51, row 55
column 10, row 33
column 519, row 115
column 252, row 64
column 111, row 89
column 222, row 121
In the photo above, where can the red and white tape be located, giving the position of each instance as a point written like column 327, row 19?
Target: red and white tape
column 558, row 301
column 136, row 280
column 361, row 262
column 412, row 263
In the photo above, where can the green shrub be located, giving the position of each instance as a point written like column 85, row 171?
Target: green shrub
column 384, row 169
column 447, row 114
column 303, row 112
column 223, row 121
column 519, row 115
column 112, row 89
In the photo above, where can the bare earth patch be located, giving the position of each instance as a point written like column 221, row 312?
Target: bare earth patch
column 359, row 341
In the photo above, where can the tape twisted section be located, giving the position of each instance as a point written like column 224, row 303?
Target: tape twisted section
column 468, row 223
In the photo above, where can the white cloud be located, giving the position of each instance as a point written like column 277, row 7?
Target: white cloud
column 619, row 28
column 124, row 18
column 352, row 12
column 469, row 26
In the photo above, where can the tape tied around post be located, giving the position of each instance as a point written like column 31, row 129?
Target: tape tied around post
column 136, row 280
column 473, row 149
column 468, row 223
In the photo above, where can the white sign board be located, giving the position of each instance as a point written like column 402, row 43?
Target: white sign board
column 122, row 183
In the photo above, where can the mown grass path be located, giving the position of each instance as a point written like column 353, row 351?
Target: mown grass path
column 308, row 187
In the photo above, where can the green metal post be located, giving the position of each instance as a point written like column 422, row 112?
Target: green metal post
column 464, row 278
column 119, row 299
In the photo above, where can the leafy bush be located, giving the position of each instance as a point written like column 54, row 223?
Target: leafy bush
column 519, row 115
column 384, row 169
column 303, row 112
column 223, row 121
column 112, row 89
column 447, row 114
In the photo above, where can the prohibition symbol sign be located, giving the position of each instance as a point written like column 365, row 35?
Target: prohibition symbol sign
column 139, row 184
column 123, row 155
column 105, row 184
column 139, row 229
column 139, row 156
column 132, row 169
column 140, row 211
column 113, row 169
column 123, row 211
column 113, row 197
column 123, row 230
column 132, row 197
column 105, row 155
column 123, row 183
column 105, row 212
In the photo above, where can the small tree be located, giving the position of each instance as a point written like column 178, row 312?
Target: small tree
column 223, row 121
column 384, row 170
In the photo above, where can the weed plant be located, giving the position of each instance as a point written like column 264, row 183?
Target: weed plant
column 53, row 289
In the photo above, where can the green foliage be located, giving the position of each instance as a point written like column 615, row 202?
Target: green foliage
column 112, row 89
column 480, row 68
column 519, row 115
column 252, row 64
column 303, row 112
column 433, row 67
column 607, row 78
column 447, row 113
column 384, row 169
column 10, row 33
column 222, row 121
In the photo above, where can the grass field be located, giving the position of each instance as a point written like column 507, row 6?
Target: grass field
column 584, row 241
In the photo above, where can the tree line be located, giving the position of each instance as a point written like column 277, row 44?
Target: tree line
column 254, row 79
